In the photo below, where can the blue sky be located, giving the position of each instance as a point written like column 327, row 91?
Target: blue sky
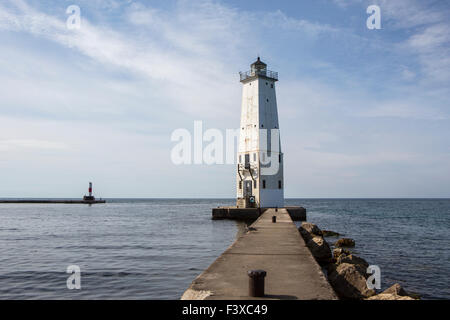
column 363, row 113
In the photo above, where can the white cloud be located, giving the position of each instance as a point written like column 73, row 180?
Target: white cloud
column 427, row 28
column 403, row 109
column 6, row 145
column 429, row 38
column 158, row 70
column 185, row 54
column 407, row 73
column 407, row 14
column 432, row 45
column 185, row 58
column 279, row 18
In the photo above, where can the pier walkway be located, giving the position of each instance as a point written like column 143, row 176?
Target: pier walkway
column 277, row 248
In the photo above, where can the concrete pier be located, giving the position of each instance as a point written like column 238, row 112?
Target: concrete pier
column 277, row 248
column 251, row 214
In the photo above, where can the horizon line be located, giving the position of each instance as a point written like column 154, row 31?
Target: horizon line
column 214, row 198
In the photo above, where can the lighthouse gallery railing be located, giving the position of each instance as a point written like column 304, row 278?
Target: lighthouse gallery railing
column 265, row 73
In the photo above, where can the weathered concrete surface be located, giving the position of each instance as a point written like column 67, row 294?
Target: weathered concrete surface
column 277, row 248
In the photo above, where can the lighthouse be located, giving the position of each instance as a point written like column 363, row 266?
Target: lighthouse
column 90, row 197
column 259, row 176
column 90, row 189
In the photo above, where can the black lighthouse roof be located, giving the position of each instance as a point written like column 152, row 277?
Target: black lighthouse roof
column 258, row 69
column 258, row 63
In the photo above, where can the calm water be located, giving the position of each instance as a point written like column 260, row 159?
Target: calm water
column 153, row 249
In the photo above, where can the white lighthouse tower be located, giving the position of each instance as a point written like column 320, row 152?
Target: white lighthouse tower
column 260, row 160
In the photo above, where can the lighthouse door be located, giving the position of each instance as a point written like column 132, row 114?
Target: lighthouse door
column 247, row 188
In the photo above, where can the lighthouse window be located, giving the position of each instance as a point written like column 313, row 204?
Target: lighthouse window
column 267, row 83
column 267, row 100
column 264, row 184
column 279, row 184
column 240, row 184
column 271, row 85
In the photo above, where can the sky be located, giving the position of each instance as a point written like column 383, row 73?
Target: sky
column 363, row 113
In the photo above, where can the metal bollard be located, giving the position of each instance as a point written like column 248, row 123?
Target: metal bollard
column 274, row 219
column 256, row 283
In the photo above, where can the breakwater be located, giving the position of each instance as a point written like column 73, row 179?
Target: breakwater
column 275, row 247
column 25, row 201
column 349, row 275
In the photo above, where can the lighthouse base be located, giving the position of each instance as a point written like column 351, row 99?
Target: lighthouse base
column 250, row 214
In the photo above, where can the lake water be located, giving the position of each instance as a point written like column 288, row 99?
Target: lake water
column 153, row 249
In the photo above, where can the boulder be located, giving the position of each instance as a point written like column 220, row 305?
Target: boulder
column 337, row 252
column 345, row 242
column 328, row 233
column 396, row 289
column 414, row 295
column 319, row 249
column 348, row 281
column 389, row 296
column 309, row 230
column 358, row 262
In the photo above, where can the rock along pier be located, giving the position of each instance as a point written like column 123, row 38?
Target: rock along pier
column 275, row 247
